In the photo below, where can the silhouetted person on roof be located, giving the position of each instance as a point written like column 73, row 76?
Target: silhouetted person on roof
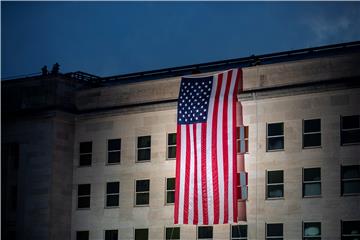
column 44, row 70
column 55, row 69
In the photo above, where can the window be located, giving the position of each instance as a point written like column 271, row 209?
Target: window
column 112, row 194
column 238, row 232
column 111, row 234
column 242, row 139
column 142, row 194
column 350, row 180
column 114, row 151
column 350, row 230
column 311, row 133
column 170, row 190
column 84, row 191
column 241, row 185
column 142, row 234
column 82, row 235
column 274, row 231
column 275, row 184
column 205, row 232
column 311, row 182
column 172, row 233
column 350, row 130
column 312, row 231
column 85, row 153
column 171, row 146
column 144, row 148
column 275, row 136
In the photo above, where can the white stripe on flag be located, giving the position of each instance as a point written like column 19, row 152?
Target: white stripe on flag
column 191, row 181
column 199, row 185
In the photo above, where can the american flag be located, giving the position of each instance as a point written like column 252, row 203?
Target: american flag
column 206, row 191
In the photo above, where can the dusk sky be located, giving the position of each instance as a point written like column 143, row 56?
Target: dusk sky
column 114, row 38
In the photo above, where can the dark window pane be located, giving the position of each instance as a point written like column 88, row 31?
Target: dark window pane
column 83, row 202
column 276, row 143
column 275, row 129
column 112, row 187
column 170, row 184
column 170, row 197
column 312, row 125
column 85, row 147
column 239, row 231
column 312, row 140
column 113, row 157
column 350, row 122
column 351, row 227
column 85, row 160
column 13, row 197
column 82, row 235
column 172, row 233
column 351, row 187
column 312, row 238
column 142, row 198
column 275, row 176
column 312, row 189
column 351, row 136
column 144, row 154
column 351, row 172
column 114, row 144
column 144, row 142
column 112, row 200
column 312, row 229
column 205, row 232
column 111, row 234
column 275, row 191
column 274, row 238
column 142, row 234
column 142, row 185
column 274, row 230
column 172, row 139
column 312, row 174
column 172, row 152
column 84, row 189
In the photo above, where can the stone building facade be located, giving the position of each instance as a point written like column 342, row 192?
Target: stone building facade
column 90, row 159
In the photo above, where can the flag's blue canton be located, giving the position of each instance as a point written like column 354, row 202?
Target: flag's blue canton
column 194, row 99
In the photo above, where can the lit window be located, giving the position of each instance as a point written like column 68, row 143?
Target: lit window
column 205, row 232
column 350, row 230
column 274, row 231
column 171, row 146
column 170, row 190
column 275, row 184
column 242, row 139
column 142, row 234
column 311, row 182
column 239, row 232
column 114, row 151
column 312, row 231
column 172, row 233
column 142, row 192
column 350, row 180
column 144, row 148
column 312, row 133
column 85, row 154
column 112, row 194
column 111, row 234
column 350, row 130
column 275, row 136
column 84, row 191
column 82, row 235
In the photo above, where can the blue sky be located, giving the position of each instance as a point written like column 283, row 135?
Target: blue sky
column 114, row 38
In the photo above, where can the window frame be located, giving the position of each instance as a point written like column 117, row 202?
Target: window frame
column 112, row 194
column 347, row 180
column 143, row 148
column 352, row 129
column 238, row 238
column 303, row 230
column 273, row 184
column 110, row 151
column 86, row 153
column 166, row 190
column 141, row 229
column 310, row 133
column 197, row 232
column 83, row 196
column 273, row 237
column 238, row 139
column 342, row 227
column 168, row 146
column 117, row 231
column 141, row 205
column 275, row 136
column 172, row 227
column 310, row 182
column 78, row 231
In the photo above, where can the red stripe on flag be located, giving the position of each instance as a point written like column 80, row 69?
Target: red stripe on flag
column 187, row 176
column 177, row 176
column 195, row 178
column 203, row 174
